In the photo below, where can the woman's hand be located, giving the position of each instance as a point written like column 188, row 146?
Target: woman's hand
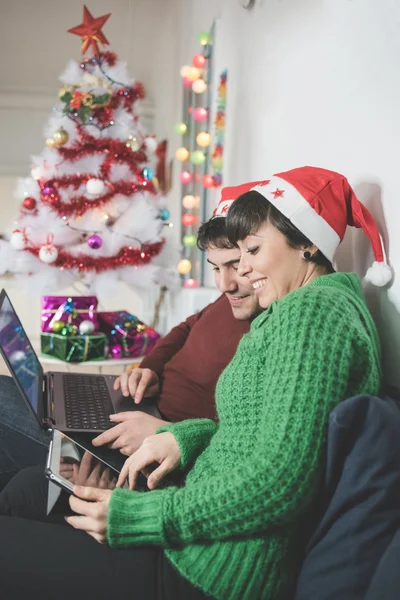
column 91, row 504
column 138, row 383
column 161, row 449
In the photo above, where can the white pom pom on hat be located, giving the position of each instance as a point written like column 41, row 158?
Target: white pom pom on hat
column 320, row 203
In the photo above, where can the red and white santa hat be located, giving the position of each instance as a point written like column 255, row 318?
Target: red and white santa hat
column 320, row 204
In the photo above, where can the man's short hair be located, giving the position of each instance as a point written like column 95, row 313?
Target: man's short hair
column 212, row 234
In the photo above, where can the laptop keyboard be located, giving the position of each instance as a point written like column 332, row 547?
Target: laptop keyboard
column 87, row 402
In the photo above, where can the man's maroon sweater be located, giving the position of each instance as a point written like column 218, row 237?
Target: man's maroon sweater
column 190, row 359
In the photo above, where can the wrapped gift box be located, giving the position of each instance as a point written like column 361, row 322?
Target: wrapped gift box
column 74, row 348
column 128, row 337
column 72, row 310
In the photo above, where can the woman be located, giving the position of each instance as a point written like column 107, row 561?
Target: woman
column 232, row 531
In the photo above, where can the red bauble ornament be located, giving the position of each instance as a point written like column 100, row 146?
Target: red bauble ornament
column 29, row 203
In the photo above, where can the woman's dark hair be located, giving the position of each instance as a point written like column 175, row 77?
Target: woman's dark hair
column 251, row 211
column 213, row 234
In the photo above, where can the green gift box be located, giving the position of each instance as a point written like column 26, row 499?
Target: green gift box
column 73, row 348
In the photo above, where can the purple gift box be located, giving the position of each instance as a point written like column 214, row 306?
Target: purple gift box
column 70, row 309
column 128, row 336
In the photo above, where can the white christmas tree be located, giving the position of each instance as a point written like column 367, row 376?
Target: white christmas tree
column 91, row 210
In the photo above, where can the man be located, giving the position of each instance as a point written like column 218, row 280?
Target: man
column 181, row 371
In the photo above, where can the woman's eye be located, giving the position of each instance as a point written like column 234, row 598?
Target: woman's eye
column 253, row 250
column 215, row 269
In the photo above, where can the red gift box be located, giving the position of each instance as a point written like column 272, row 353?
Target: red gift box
column 128, row 336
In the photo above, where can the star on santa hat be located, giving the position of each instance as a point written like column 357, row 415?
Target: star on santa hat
column 90, row 31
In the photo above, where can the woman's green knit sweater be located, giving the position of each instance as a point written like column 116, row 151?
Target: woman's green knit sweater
column 231, row 530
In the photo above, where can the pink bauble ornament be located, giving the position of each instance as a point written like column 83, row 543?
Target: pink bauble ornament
column 48, row 253
column 116, row 351
column 95, row 242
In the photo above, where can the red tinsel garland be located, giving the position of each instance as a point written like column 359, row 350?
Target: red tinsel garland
column 89, row 145
column 78, row 205
column 126, row 257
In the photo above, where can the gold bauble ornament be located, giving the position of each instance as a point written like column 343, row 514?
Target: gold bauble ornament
column 50, row 143
column 60, row 137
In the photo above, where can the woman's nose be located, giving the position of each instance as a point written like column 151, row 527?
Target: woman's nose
column 244, row 267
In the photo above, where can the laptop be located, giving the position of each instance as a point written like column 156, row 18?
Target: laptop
column 71, row 402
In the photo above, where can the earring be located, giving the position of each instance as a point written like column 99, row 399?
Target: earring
column 307, row 255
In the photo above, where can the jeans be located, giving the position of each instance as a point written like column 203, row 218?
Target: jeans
column 22, row 441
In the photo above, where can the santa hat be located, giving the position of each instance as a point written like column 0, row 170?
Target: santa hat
column 320, row 204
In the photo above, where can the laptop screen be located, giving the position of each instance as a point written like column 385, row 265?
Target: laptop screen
column 19, row 353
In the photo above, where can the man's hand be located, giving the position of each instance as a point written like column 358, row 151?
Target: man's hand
column 139, row 383
column 162, row 449
column 133, row 427
column 91, row 504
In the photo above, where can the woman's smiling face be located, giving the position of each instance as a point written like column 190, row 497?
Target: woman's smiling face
column 271, row 265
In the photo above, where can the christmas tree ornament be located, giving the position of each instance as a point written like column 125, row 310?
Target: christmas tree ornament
column 57, row 326
column 150, row 144
column 60, row 137
column 203, row 139
column 133, row 143
column 29, row 203
column 164, row 214
column 116, row 351
column 90, row 31
column 95, row 187
column 197, row 157
column 199, row 61
column 148, row 173
column 189, row 241
column 50, row 142
column 189, row 202
column 49, row 190
column 200, row 114
column 48, row 253
column 69, row 330
column 184, row 266
column 86, row 327
column 180, row 128
column 199, row 86
column 18, row 239
column 95, row 242
column 185, row 177
column 182, row 154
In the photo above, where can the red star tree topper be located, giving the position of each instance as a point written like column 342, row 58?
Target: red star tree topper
column 90, row 31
